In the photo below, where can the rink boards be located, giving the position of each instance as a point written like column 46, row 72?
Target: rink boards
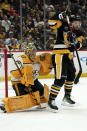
column 82, row 56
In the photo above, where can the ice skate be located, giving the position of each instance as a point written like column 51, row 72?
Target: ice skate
column 67, row 101
column 52, row 106
column 2, row 108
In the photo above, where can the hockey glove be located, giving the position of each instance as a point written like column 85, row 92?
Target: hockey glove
column 62, row 15
column 78, row 45
column 72, row 48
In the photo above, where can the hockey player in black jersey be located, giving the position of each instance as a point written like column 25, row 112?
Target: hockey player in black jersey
column 62, row 59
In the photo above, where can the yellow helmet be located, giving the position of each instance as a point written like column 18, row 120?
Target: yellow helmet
column 30, row 51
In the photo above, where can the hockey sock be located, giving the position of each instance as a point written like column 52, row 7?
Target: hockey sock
column 54, row 91
column 68, row 87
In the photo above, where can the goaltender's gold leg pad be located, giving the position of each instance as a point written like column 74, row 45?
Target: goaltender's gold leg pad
column 21, row 102
column 45, row 95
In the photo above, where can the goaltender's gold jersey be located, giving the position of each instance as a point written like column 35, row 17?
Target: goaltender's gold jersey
column 40, row 67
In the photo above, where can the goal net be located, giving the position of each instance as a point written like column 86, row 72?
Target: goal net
column 3, row 74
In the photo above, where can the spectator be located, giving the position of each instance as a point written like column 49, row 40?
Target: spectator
column 25, row 32
column 11, row 40
column 28, row 41
column 5, row 6
column 38, row 21
column 12, row 13
column 2, row 31
column 16, row 4
column 33, row 17
column 50, row 43
column 1, row 14
column 6, row 23
column 35, row 33
column 38, row 44
column 29, row 22
column 49, row 6
column 24, row 10
column 12, row 29
column 13, row 45
column 16, row 23
column 2, row 44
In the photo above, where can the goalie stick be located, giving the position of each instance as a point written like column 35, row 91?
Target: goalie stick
column 29, row 87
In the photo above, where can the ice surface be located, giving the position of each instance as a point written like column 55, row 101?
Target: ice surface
column 67, row 118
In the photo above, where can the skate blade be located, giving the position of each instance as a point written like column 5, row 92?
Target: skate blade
column 67, row 104
column 52, row 110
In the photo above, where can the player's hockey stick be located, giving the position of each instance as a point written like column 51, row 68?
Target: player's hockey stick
column 29, row 87
column 80, row 68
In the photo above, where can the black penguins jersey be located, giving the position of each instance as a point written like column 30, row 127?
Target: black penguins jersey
column 63, row 31
column 64, row 36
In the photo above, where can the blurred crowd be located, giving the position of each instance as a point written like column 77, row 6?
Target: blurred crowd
column 35, row 28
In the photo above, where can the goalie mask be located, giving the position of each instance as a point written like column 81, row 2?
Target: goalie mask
column 30, row 51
